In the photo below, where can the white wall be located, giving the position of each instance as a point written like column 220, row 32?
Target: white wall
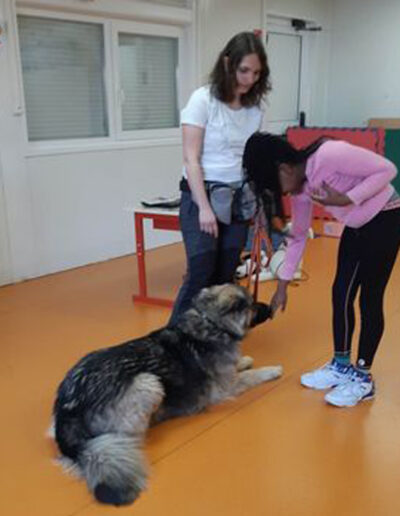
column 5, row 259
column 79, row 202
column 317, row 10
column 218, row 21
column 364, row 80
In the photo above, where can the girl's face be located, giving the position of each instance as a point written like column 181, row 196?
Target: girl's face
column 291, row 178
column 247, row 73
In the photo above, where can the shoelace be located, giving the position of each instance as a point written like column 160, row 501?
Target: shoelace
column 355, row 381
column 357, row 376
column 338, row 368
column 329, row 366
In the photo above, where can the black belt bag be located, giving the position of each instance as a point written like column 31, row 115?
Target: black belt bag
column 231, row 202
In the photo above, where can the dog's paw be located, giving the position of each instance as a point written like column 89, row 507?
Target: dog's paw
column 244, row 363
column 270, row 372
column 51, row 431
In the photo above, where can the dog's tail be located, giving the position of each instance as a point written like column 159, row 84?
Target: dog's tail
column 114, row 467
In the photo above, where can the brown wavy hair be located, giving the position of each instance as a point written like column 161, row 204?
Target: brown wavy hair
column 223, row 77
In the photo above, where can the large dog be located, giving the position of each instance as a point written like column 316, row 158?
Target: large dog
column 109, row 398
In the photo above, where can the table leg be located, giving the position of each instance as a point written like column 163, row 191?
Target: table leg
column 142, row 297
column 140, row 252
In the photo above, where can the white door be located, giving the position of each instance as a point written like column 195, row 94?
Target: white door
column 287, row 60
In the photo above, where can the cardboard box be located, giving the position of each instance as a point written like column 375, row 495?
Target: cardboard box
column 332, row 228
column 386, row 123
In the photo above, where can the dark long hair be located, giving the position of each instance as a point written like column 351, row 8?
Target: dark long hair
column 262, row 156
column 223, row 75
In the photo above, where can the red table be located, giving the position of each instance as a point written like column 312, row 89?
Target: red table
column 167, row 219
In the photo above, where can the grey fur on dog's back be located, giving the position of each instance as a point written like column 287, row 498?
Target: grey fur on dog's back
column 109, row 398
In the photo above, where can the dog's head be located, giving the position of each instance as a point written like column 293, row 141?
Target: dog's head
column 230, row 308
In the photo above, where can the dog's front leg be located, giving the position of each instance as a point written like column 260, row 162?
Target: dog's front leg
column 247, row 379
column 244, row 363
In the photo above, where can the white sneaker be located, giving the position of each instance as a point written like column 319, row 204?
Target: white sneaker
column 265, row 274
column 328, row 376
column 357, row 388
column 243, row 270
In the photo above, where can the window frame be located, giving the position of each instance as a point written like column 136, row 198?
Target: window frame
column 117, row 138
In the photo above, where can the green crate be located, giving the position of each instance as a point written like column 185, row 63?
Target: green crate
column 392, row 152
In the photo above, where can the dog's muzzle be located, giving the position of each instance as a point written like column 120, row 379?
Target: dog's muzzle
column 261, row 312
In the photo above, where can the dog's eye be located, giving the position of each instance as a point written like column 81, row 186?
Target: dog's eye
column 241, row 304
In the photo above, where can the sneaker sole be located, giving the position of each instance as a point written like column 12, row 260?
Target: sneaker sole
column 368, row 397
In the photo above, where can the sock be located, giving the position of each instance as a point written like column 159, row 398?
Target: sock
column 362, row 369
column 342, row 358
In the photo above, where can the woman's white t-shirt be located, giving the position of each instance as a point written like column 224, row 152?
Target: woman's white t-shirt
column 226, row 131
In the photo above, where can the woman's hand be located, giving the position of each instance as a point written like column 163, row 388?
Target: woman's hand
column 279, row 299
column 328, row 196
column 192, row 139
column 208, row 221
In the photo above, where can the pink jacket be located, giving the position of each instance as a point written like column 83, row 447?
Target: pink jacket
column 363, row 175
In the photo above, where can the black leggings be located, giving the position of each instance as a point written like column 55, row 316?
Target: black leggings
column 365, row 261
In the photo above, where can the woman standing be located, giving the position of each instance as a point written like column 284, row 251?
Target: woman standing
column 354, row 186
column 216, row 122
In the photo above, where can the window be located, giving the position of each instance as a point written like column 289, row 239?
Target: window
column 63, row 75
column 102, row 79
column 148, row 69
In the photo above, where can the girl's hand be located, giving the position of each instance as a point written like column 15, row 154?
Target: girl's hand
column 279, row 299
column 208, row 221
column 328, row 196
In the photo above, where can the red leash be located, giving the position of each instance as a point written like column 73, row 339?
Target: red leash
column 260, row 237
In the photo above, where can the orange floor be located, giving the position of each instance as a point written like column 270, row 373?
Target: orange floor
column 278, row 450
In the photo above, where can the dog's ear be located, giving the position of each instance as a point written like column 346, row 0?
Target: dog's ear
column 205, row 299
column 236, row 299
column 236, row 323
column 238, row 305
column 227, row 306
column 233, row 309
column 227, row 298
